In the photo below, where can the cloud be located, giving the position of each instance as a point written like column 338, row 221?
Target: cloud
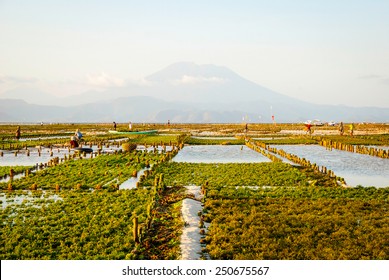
column 4, row 79
column 8, row 83
column 377, row 78
column 104, row 80
column 140, row 82
column 190, row 80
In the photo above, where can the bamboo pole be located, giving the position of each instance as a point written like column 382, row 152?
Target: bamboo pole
column 135, row 230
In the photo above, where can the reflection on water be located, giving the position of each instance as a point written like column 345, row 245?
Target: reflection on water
column 22, row 158
column 42, row 138
column 9, row 158
column 386, row 148
column 6, row 178
column 219, row 154
column 356, row 169
column 27, row 197
column 131, row 183
column 214, row 138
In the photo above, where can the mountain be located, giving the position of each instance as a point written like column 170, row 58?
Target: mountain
column 181, row 92
column 16, row 110
column 31, row 95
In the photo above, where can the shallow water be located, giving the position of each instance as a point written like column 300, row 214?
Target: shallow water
column 268, row 138
column 9, row 158
column 43, row 138
column 356, row 169
column 219, row 154
column 25, row 198
column 214, row 137
column 131, row 183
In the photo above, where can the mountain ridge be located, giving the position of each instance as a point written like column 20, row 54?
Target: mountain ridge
column 185, row 92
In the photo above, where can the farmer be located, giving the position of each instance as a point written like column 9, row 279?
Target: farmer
column 75, row 139
column 73, row 142
column 17, row 133
column 78, row 135
column 114, row 125
column 308, row 128
column 130, row 126
column 351, row 129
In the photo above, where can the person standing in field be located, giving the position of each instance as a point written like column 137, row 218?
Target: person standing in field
column 308, row 128
column 78, row 135
column 351, row 129
column 17, row 133
column 73, row 142
column 114, row 125
column 341, row 128
column 130, row 126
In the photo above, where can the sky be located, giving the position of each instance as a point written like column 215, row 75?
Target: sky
column 324, row 52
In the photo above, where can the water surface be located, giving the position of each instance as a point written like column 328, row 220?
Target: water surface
column 356, row 169
column 219, row 154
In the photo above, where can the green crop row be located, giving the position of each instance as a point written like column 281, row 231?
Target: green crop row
column 6, row 170
column 297, row 223
column 356, row 140
column 78, row 224
column 155, row 139
column 81, row 225
column 213, row 141
column 302, row 192
column 232, row 174
column 87, row 173
column 291, row 140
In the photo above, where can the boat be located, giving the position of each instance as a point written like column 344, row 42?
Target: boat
column 133, row 132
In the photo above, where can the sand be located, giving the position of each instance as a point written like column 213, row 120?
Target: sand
column 190, row 238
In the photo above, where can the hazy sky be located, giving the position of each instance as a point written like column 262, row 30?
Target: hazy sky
column 330, row 51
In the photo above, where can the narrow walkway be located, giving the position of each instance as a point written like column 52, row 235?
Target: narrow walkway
column 190, row 238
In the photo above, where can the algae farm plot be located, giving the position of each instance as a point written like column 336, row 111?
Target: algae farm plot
column 172, row 196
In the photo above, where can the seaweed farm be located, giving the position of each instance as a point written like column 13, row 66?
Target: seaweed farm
column 194, row 191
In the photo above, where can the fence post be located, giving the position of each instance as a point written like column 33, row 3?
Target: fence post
column 135, row 230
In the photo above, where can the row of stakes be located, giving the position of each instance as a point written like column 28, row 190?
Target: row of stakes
column 158, row 187
column 90, row 144
column 361, row 149
column 55, row 161
column 259, row 146
column 254, row 147
column 99, row 148
column 139, row 230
